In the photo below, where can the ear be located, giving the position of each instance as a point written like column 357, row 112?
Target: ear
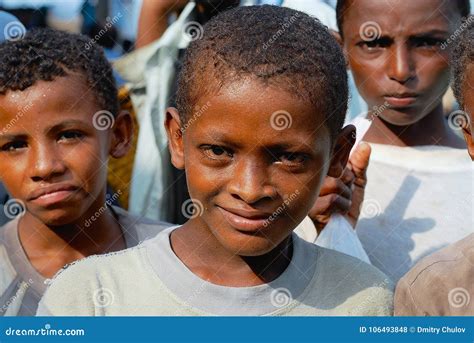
column 342, row 148
column 340, row 41
column 122, row 135
column 469, row 141
column 175, row 137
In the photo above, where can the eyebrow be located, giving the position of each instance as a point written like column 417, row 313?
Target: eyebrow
column 11, row 137
column 56, row 127
column 430, row 33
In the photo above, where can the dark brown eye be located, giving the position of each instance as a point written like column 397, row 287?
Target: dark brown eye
column 14, row 146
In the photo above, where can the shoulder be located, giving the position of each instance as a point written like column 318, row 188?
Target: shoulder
column 80, row 288
column 344, row 266
column 437, row 275
column 349, row 286
column 440, row 262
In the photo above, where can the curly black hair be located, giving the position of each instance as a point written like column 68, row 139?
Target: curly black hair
column 278, row 46
column 44, row 54
column 463, row 57
column 342, row 7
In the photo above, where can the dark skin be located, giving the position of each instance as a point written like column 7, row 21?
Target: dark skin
column 242, row 175
column 404, row 71
column 155, row 15
column 468, row 96
column 48, row 143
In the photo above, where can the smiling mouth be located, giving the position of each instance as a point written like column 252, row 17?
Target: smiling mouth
column 246, row 221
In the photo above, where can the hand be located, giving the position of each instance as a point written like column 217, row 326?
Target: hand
column 343, row 195
column 153, row 20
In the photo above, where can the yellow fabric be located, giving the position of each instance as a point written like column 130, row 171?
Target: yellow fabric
column 120, row 170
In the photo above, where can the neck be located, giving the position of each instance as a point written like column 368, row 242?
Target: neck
column 432, row 129
column 202, row 253
column 49, row 248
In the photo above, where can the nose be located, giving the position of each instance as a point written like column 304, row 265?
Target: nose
column 45, row 163
column 401, row 64
column 250, row 182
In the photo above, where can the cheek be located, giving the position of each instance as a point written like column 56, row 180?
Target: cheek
column 88, row 163
column 202, row 181
column 434, row 74
column 365, row 75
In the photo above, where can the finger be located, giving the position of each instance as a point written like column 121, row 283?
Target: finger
column 348, row 176
column 359, row 163
column 335, row 186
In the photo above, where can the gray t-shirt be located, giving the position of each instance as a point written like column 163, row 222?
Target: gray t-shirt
column 150, row 280
column 22, row 286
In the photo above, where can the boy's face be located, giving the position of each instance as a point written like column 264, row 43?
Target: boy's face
column 468, row 96
column 395, row 52
column 242, row 164
column 52, row 158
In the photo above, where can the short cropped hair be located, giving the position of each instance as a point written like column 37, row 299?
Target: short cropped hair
column 278, row 46
column 463, row 57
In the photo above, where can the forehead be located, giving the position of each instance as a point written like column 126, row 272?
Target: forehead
column 251, row 113
column 401, row 16
column 48, row 101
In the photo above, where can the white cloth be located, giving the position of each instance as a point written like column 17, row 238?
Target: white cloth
column 149, row 73
column 417, row 201
column 338, row 235
column 150, row 280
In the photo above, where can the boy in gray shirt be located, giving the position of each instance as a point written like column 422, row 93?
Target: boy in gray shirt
column 261, row 104
column 59, row 123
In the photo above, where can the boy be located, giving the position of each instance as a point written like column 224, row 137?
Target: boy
column 59, row 122
column 443, row 283
column 418, row 165
column 258, row 126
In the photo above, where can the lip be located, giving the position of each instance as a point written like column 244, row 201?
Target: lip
column 401, row 100
column 246, row 221
column 52, row 194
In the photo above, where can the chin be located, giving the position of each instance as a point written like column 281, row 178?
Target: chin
column 399, row 118
column 58, row 217
column 249, row 245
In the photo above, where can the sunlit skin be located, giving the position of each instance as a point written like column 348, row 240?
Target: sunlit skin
column 403, row 73
column 241, row 170
column 468, row 96
column 48, row 143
